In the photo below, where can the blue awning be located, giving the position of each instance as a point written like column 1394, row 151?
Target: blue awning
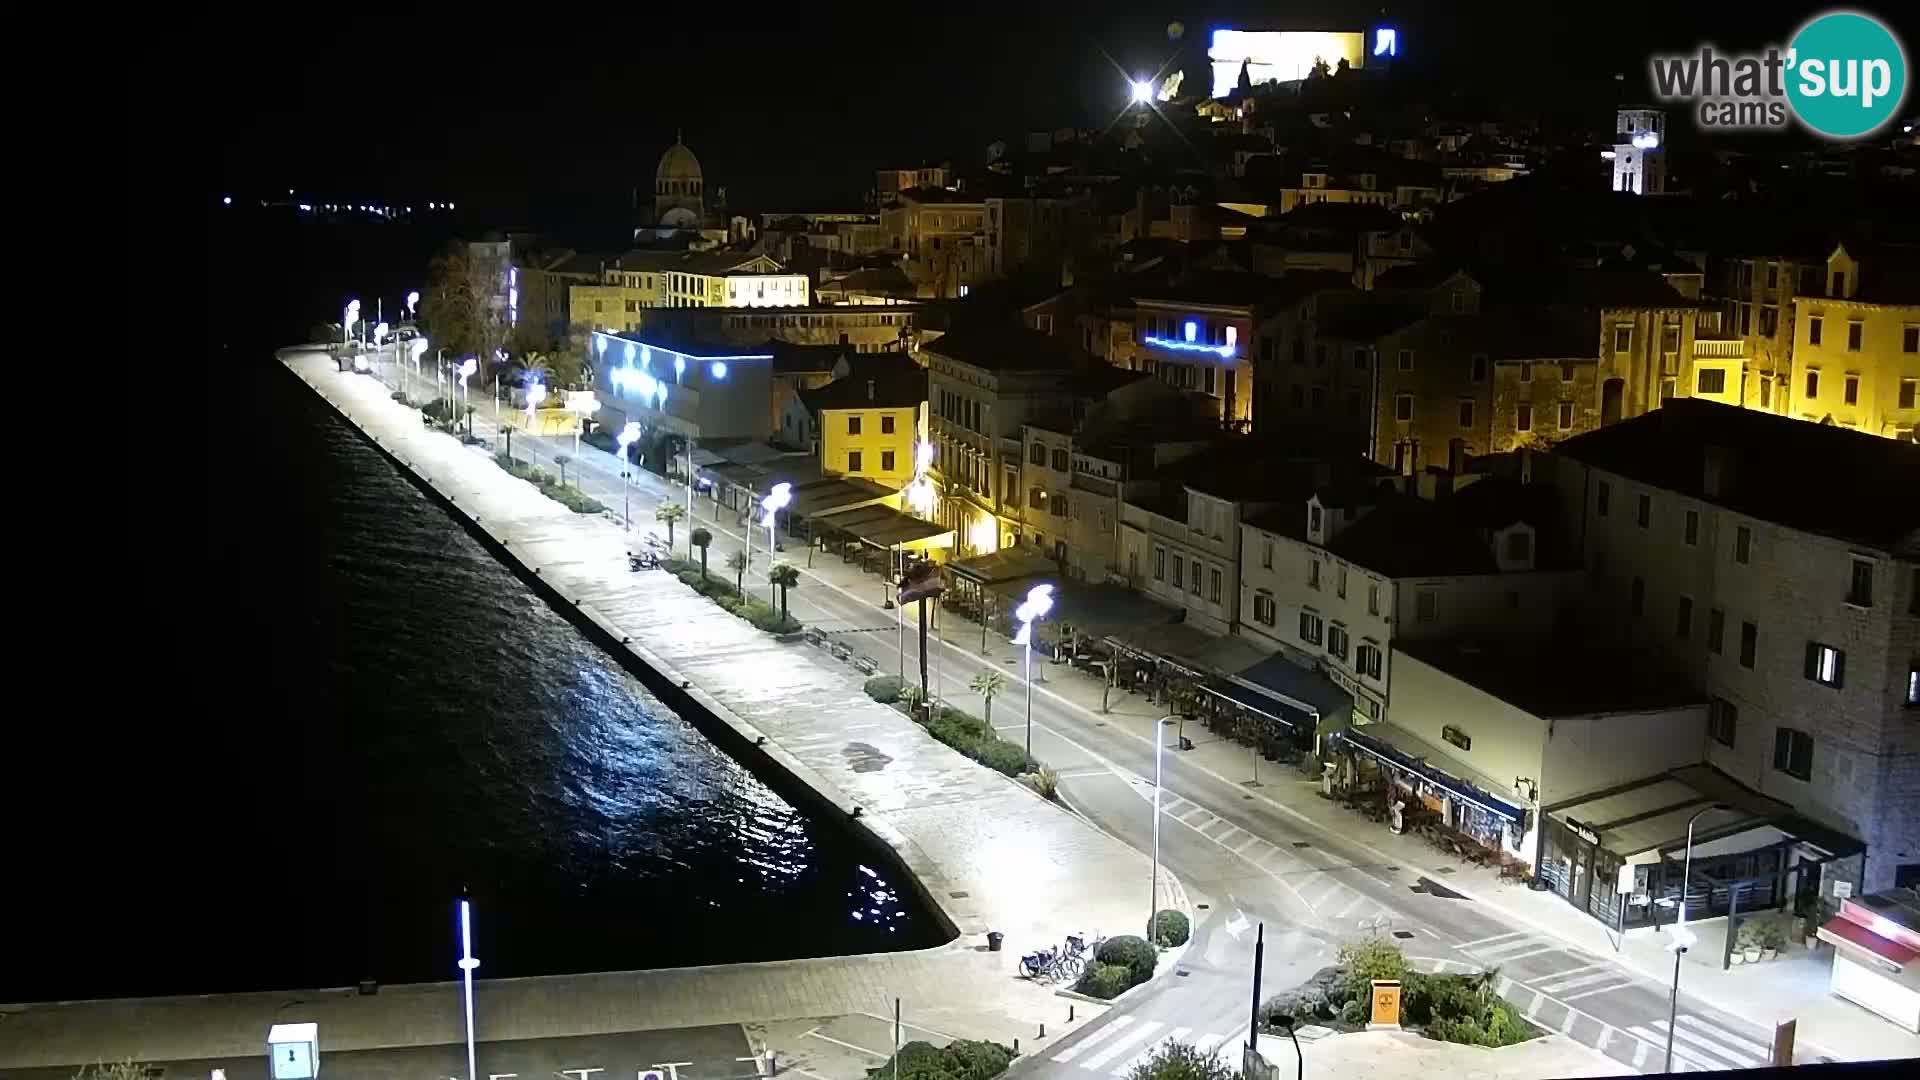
column 1265, row 704
column 1393, row 757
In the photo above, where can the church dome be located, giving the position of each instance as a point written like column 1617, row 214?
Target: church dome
column 678, row 163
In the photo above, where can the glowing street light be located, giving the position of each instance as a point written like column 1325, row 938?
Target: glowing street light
column 1039, row 601
column 413, row 301
column 467, row 963
column 536, row 393
column 419, row 348
column 582, row 406
column 467, row 367
column 380, row 331
column 776, row 501
column 1142, row 91
column 919, row 490
column 348, row 318
column 628, row 436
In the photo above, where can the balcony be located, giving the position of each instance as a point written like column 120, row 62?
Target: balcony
column 1719, row 349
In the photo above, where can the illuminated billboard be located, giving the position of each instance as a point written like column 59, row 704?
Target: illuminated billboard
column 1280, row 55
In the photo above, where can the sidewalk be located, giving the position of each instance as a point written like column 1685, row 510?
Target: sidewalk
column 1793, row 986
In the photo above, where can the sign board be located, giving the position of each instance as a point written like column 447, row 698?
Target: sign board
column 1581, row 831
column 1386, row 1002
column 1842, row 890
column 294, row 1051
column 1629, row 879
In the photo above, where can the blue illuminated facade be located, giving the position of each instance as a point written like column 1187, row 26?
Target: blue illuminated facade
column 699, row 390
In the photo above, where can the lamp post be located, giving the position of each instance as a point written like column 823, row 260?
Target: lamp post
column 1684, row 938
column 347, row 319
column 536, row 393
column 776, row 500
column 1039, row 601
column 467, row 963
column 413, row 301
column 582, row 406
column 628, row 435
column 420, row 346
column 1153, row 888
column 467, row 368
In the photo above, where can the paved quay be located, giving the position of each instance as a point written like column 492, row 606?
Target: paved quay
column 987, row 852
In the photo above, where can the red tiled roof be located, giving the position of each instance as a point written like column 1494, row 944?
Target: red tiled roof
column 1855, row 934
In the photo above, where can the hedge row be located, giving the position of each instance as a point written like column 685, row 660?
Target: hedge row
column 723, row 592
column 570, row 497
column 1120, row 964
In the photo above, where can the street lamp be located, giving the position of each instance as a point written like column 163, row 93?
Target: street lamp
column 1039, row 601
column 413, row 301
column 467, row 963
column 536, row 393
column 347, row 319
column 582, row 406
column 1141, row 91
column 628, row 435
column 1684, row 938
column 776, row 500
column 467, row 368
column 1286, row 1023
column 419, row 349
column 1153, row 889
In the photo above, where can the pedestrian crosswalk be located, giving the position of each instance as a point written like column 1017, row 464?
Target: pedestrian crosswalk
column 1698, row 1046
column 1126, row 1042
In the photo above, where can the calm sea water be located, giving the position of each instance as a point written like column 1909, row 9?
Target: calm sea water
column 354, row 712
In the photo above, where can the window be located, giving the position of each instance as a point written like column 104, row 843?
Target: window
column 1749, row 644
column 1298, row 396
column 1479, row 370
column 886, row 461
column 1711, row 381
column 1426, row 606
column 1367, row 659
column 853, row 461
column 1337, row 642
column 853, row 425
column 1566, row 416
column 1692, row 531
column 1683, row 618
column 1769, row 320
column 1466, row 414
column 1860, row 585
column 1566, row 372
column 1643, row 513
column 1159, row 564
column 1313, row 520
column 1793, row 753
column 1826, row 665
column 1266, row 554
column 1519, row 546
column 1526, row 372
column 1669, row 389
column 1742, row 545
column 1852, row 391
column 1638, row 595
column 1813, row 384
column 1670, row 339
column 1340, row 583
column 1179, row 577
column 1910, row 339
column 1403, row 407
column 1855, row 329
column 1263, row 609
column 1813, row 329
column 1716, row 629
column 1909, row 390
column 1373, row 596
column 1194, row 582
column 1523, row 418
column 1722, row 718
column 1622, row 339
column 1037, row 454
column 1313, row 573
column 1602, row 497
column 1061, row 461
column 886, row 424
column 1213, row 585
column 1406, row 359
column 1311, row 628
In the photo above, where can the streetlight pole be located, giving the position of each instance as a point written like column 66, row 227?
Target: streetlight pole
column 1684, row 938
column 1153, row 889
column 467, row 963
column 627, row 436
column 1039, row 601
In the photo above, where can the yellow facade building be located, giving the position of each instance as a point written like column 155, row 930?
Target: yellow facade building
column 871, row 419
column 1856, row 352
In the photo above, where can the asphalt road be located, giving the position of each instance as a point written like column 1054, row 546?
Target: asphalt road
column 704, row 1053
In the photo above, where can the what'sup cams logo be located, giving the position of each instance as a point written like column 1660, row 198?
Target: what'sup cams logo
column 1843, row 76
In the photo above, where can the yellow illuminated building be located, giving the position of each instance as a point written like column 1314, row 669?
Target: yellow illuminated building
column 1856, row 353
column 871, row 419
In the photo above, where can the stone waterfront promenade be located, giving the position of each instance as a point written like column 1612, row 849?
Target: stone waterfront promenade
column 988, row 853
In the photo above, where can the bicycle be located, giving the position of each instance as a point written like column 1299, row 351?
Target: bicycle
column 1041, row 963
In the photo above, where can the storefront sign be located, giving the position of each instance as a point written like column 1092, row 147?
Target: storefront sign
column 1842, row 890
column 1457, row 737
column 1581, row 831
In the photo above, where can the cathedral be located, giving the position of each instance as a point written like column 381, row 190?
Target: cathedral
column 680, row 211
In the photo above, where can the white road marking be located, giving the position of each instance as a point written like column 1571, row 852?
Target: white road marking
column 1680, row 1052
column 1572, row 977
column 1764, row 1053
column 1119, row 1046
column 1118, row 1025
column 1639, row 1053
column 1566, row 1023
column 1155, row 1047
column 1534, row 1005
column 1606, row 1036
column 848, row 1045
column 1357, row 901
column 1686, row 1033
column 1488, row 940
column 1542, row 950
column 1606, row 989
column 1251, row 840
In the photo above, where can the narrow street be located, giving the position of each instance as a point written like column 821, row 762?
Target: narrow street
column 1246, row 851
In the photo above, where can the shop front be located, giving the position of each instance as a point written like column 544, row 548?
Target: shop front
column 1876, row 957
column 1430, row 788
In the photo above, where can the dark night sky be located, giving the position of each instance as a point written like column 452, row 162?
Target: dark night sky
column 792, row 110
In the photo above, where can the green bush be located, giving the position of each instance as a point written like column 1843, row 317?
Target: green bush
column 689, row 578
column 1170, row 928
column 1181, row 1061
column 1003, row 757
column 962, row 1059
column 1132, row 952
column 885, row 689
column 1368, row 959
column 1105, row 981
column 1354, row 1012
column 1044, row 782
column 438, row 409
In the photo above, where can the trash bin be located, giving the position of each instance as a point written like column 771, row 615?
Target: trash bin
column 994, row 938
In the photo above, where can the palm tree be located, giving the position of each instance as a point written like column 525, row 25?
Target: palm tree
column 700, row 538
column 561, row 460
column 784, row 577
column 987, row 684
column 737, row 562
column 669, row 513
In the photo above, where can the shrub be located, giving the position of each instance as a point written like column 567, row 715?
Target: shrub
column 1368, row 959
column 1003, row 757
column 973, row 1059
column 1105, row 980
column 1181, row 1061
column 885, row 689
column 1170, row 928
column 1043, row 781
column 962, row 1059
column 1132, row 952
column 401, row 397
column 1354, row 1012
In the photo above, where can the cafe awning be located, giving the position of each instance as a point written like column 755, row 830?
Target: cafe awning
column 1647, row 818
column 881, row 526
column 829, row 494
column 1098, row 611
column 1402, row 750
column 1007, row 564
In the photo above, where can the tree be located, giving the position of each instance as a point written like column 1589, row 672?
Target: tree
column 561, row 460
column 464, row 302
column 701, row 538
column 1181, row 1061
column 987, row 684
column 737, row 562
column 784, row 577
column 118, row 1070
column 669, row 513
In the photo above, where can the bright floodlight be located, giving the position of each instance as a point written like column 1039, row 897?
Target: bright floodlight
column 1142, row 91
column 380, row 332
column 359, row 361
column 469, row 366
column 419, row 347
column 353, row 313
column 536, row 393
column 226, row 200
column 1039, row 601
column 629, row 435
column 718, row 369
column 629, row 353
column 1647, row 140
column 413, row 301
column 922, row 456
column 776, row 500
column 584, row 404
column 679, row 365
